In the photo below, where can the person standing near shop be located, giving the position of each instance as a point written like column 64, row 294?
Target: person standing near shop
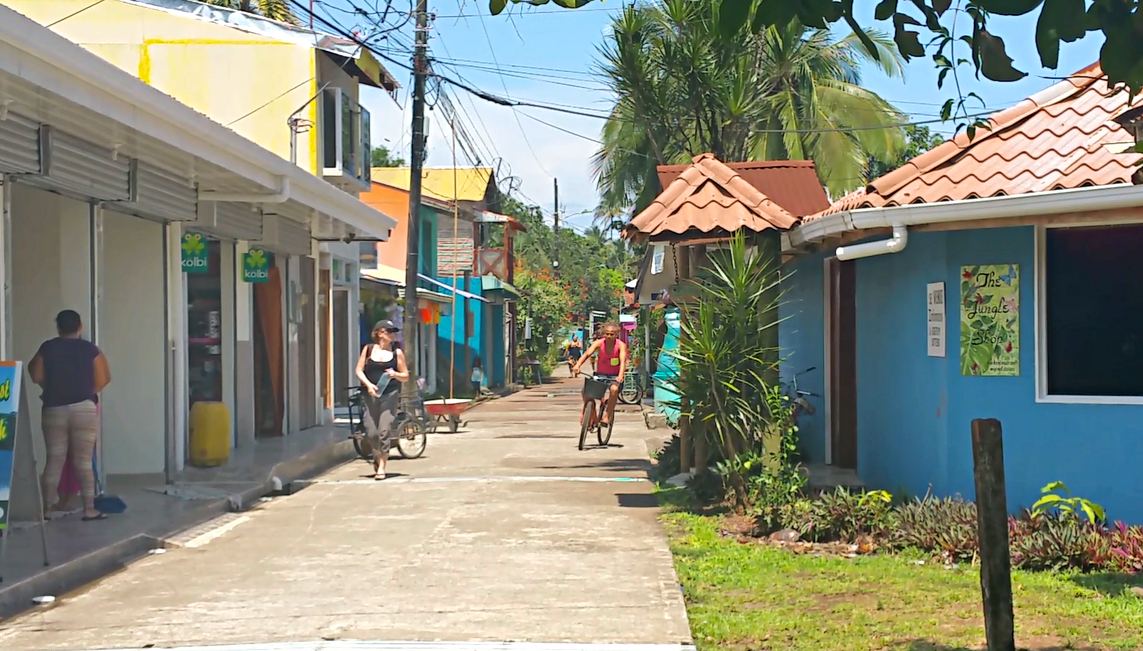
column 381, row 369
column 72, row 372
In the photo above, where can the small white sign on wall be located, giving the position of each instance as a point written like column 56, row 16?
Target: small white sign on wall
column 936, row 319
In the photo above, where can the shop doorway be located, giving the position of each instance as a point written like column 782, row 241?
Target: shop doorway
column 204, row 329
column 325, row 313
column 307, row 348
column 841, row 362
column 269, row 354
column 341, row 346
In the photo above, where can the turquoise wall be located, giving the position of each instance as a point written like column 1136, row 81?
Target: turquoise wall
column 914, row 411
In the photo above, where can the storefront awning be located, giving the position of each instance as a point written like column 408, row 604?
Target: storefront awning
column 450, row 288
column 491, row 283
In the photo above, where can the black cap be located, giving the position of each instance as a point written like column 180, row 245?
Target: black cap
column 387, row 325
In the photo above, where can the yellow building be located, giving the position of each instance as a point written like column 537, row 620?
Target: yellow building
column 292, row 90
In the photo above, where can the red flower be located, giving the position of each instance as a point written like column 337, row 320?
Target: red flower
column 1008, row 348
column 979, row 299
column 976, row 367
column 967, row 275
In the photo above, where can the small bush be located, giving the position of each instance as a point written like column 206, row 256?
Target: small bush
column 1057, row 542
column 841, row 516
column 667, row 461
column 1126, row 545
column 944, row 527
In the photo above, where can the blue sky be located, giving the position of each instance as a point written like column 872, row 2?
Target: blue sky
column 547, row 54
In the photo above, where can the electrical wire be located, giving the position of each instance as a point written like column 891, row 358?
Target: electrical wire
column 75, row 13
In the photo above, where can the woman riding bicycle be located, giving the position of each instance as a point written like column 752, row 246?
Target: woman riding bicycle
column 611, row 366
column 381, row 369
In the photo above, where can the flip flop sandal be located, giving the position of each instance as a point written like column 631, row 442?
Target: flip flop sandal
column 89, row 518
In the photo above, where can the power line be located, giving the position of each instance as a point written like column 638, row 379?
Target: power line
column 75, row 13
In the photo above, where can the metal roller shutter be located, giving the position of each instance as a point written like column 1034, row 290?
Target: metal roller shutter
column 85, row 169
column 228, row 221
column 293, row 237
column 163, row 194
column 19, row 145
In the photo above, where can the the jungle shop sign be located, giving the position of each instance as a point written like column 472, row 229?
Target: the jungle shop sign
column 196, row 254
column 256, row 266
column 990, row 320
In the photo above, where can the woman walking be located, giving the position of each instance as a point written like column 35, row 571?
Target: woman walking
column 72, row 372
column 381, row 370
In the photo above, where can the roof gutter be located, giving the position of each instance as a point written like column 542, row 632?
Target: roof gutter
column 899, row 218
column 66, row 69
column 281, row 196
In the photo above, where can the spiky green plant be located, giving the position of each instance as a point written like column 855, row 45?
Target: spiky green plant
column 273, row 9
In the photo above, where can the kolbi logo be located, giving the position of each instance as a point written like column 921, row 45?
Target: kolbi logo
column 256, row 266
column 194, row 253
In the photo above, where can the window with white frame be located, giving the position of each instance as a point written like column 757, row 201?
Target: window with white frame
column 1093, row 311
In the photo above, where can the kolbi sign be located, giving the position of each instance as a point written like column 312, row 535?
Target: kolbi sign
column 196, row 256
column 256, row 266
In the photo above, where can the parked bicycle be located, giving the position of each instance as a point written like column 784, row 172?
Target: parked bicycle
column 799, row 398
column 592, row 418
column 631, row 393
column 411, row 425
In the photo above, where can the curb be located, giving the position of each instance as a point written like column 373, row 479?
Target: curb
column 72, row 575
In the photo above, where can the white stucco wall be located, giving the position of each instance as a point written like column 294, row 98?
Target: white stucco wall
column 132, row 337
column 50, row 272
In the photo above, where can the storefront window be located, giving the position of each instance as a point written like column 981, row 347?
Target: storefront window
column 204, row 329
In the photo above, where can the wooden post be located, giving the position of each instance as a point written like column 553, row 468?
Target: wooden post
column 992, row 532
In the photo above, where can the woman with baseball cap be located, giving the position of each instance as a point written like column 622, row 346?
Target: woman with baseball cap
column 381, row 369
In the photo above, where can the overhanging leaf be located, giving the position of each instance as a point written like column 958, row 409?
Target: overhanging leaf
column 908, row 42
column 995, row 64
column 1008, row 7
column 769, row 13
column 733, row 15
column 885, row 9
column 1048, row 39
column 496, row 6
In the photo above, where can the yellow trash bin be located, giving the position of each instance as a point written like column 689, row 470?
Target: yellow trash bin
column 209, row 434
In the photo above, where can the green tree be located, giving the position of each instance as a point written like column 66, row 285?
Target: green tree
column 383, row 158
column 918, row 140
column 683, row 88
column 1058, row 21
column 273, row 9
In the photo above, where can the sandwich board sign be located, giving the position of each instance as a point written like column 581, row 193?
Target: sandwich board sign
column 20, row 495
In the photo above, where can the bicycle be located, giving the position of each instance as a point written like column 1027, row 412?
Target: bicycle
column 798, row 397
column 411, row 429
column 591, row 418
column 631, row 393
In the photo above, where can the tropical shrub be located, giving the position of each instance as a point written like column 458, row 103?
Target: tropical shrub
column 944, row 527
column 1058, row 500
column 1057, row 542
column 727, row 358
column 1126, row 548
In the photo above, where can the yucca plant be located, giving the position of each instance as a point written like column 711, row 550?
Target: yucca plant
column 278, row 10
column 728, row 356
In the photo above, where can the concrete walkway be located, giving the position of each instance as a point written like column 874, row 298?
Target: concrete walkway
column 501, row 532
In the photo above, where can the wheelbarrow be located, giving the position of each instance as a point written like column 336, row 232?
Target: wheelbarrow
column 447, row 410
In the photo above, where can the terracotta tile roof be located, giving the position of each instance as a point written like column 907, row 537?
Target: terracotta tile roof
column 792, row 184
column 708, row 197
column 1053, row 140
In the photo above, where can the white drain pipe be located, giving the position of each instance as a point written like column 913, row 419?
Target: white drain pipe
column 894, row 244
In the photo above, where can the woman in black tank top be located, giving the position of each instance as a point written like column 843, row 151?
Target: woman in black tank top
column 381, row 369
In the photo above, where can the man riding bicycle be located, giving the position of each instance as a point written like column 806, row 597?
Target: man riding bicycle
column 610, row 367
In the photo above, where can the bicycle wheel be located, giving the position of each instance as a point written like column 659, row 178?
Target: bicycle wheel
column 588, row 412
column 630, row 392
column 412, row 439
column 603, row 432
column 361, row 444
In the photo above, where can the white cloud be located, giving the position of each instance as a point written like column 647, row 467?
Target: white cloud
column 533, row 152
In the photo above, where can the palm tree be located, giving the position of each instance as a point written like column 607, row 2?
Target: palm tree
column 273, row 9
column 683, row 88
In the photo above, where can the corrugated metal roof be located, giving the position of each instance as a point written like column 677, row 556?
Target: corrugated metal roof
column 1063, row 137
column 708, row 197
column 792, row 184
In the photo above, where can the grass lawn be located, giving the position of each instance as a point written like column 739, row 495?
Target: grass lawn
column 756, row 597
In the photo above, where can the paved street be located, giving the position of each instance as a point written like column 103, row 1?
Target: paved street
column 501, row 532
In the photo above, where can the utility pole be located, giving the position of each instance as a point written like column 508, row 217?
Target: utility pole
column 416, row 163
column 556, row 230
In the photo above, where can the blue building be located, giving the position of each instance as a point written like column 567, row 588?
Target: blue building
column 991, row 278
